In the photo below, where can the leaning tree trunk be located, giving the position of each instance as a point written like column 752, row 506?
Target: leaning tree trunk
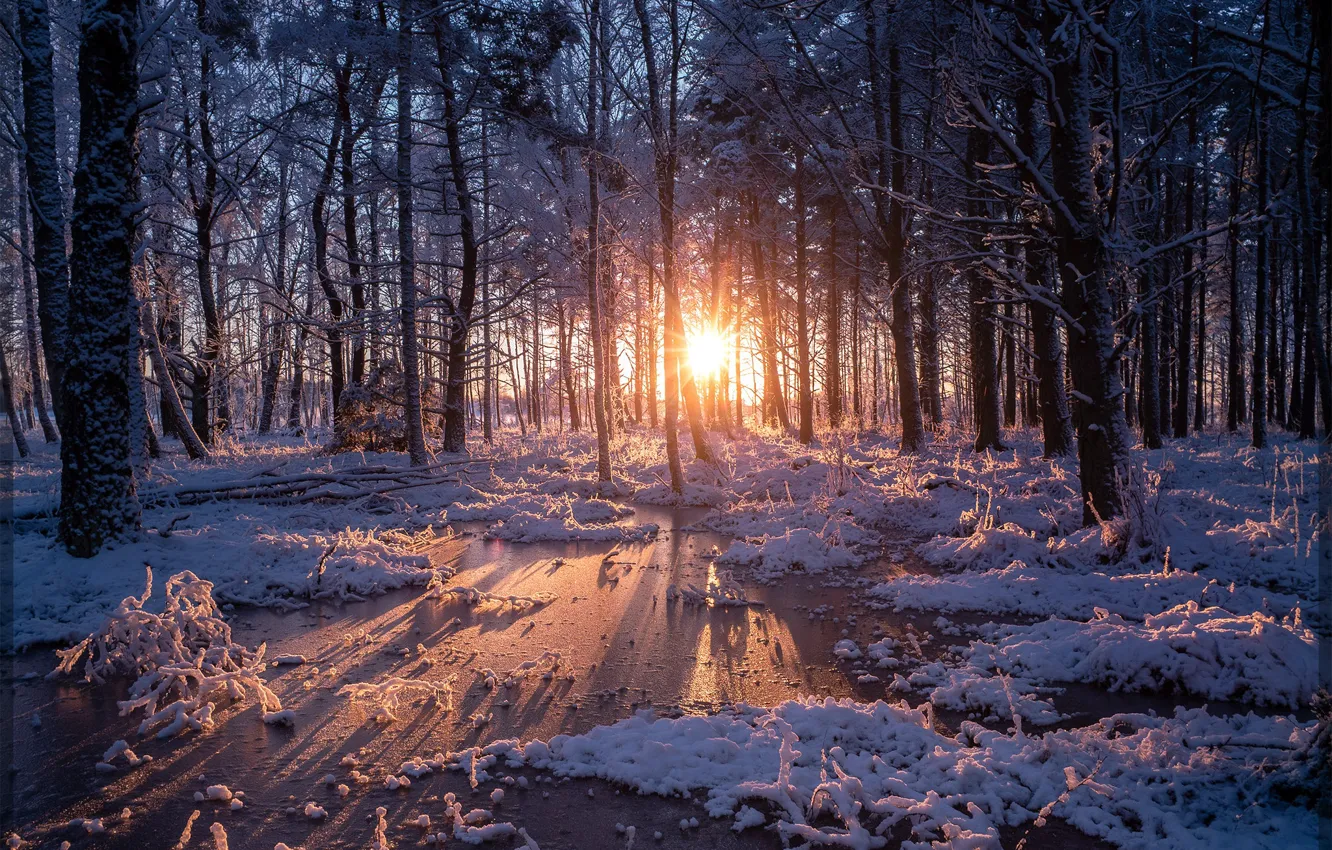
column 194, row 446
column 30, row 314
column 44, row 196
column 97, row 496
column 11, row 409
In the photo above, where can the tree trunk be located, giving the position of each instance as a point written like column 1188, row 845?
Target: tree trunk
column 1149, row 407
column 411, row 365
column 593, row 246
column 30, row 312
column 1258, row 411
column 806, row 382
column 664, row 130
column 45, row 199
column 460, row 318
column 319, row 235
column 832, row 327
column 774, row 405
column 891, row 219
column 348, row 179
column 11, row 409
column 194, row 446
column 1103, row 442
column 97, row 495
column 278, row 338
column 1235, row 350
column 981, row 313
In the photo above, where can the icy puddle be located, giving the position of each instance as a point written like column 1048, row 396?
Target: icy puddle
column 524, row 641
column 626, row 642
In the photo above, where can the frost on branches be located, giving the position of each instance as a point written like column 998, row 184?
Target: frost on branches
column 183, row 658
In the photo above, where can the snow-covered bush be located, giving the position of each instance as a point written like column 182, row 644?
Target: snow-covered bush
column 370, row 414
column 186, row 652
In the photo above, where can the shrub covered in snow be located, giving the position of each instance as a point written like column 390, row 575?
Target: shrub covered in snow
column 182, row 658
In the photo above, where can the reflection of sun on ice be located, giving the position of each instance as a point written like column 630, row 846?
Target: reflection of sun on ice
column 707, row 352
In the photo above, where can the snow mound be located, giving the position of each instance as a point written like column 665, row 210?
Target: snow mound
column 1020, row 588
column 347, row 566
column 1205, row 651
column 872, row 766
column 526, row 517
column 797, row 549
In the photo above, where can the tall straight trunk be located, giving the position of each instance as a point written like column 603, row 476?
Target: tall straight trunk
column 487, row 428
column 98, row 502
column 1149, row 386
column 832, row 326
column 1277, row 335
column 981, row 313
column 931, row 377
column 738, row 316
column 593, row 246
column 1235, row 350
column 278, row 337
column 460, row 316
column 891, row 219
column 350, row 242
column 614, row 392
column 806, row 381
column 319, row 233
column 296, row 391
column 30, row 311
column 663, row 123
column 1317, row 379
column 203, row 210
column 857, row 343
column 1084, row 266
column 774, row 405
column 653, row 343
column 565, row 330
column 534, row 375
column 640, row 344
column 411, row 362
column 1258, row 410
column 45, row 200
column 1010, row 366
column 1200, row 354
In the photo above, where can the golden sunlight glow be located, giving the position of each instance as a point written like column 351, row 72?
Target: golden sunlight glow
column 707, row 353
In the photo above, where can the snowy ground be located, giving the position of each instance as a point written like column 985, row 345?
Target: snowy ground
column 941, row 657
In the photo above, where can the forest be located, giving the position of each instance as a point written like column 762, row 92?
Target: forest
column 1106, row 221
column 1014, row 315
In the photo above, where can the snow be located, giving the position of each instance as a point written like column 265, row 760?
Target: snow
column 884, row 764
column 1205, row 651
column 1203, row 591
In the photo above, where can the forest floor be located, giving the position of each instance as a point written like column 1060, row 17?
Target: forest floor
column 828, row 645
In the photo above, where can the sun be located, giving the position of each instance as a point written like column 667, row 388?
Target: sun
column 707, row 353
